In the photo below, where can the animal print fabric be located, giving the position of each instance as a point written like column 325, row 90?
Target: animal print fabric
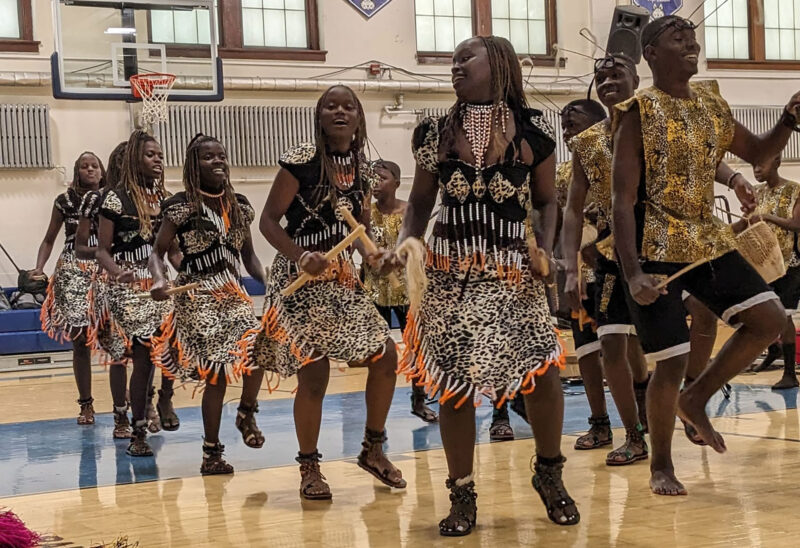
column 65, row 312
column 139, row 319
column 328, row 318
column 684, row 140
column 593, row 150
column 105, row 335
column 779, row 201
column 485, row 337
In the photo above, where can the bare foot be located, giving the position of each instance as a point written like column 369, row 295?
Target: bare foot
column 693, row 413
column 786, row 382
column 664, row 482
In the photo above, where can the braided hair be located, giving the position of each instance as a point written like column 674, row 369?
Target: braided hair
column 191, row 182
column 327, row 170
column 506, row 86
column 76, row 179
column 115, row 160
column 133, row 181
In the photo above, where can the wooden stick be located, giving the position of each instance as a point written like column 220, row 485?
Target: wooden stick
column 681, row 272
column 305, row 277
column 172, row 291
column 369, row 245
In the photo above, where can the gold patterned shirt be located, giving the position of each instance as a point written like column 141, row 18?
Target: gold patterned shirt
column 779, row 201
column 563, row 180
column 684, row 140
column 385, row 230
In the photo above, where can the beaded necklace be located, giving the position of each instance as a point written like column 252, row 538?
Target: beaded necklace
column 478, row 122
column 344, row 170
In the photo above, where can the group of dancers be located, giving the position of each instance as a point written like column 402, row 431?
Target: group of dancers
column 641, row 174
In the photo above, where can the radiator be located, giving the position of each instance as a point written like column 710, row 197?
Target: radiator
column 761, row 119
column 253, row 135
column 25, row 136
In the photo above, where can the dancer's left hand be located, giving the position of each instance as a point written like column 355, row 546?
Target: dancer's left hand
column 385, row 261
column 159, row 291
column 745, row 194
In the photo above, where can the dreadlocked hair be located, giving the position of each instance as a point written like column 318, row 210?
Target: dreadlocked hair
column 507, row 87
column 133, row 181
column 114, row 173
column 76, row 180
column 326, row 185
column 191, row 182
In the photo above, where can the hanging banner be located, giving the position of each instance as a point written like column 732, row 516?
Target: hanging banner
column 368, row 8
column 660, row 8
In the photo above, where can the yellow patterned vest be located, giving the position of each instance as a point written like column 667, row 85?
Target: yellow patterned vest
column 779, row 201
column 594, row 152
column 684, row 141
column 563, row 180
column 385, row 230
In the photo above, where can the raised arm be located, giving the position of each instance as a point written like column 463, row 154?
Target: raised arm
column 572, row 230
column 543, row 199
column 164, row 241
column 757, row 149
column 46, row 247
column 626, row 173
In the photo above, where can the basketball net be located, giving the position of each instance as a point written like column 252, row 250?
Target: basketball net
column 153, row 89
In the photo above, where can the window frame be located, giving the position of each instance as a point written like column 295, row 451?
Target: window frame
column 482, row 26
column 231, row 40
column 25, row 43
column 757, row 45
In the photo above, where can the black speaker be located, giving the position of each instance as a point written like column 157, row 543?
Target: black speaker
column 626, row 31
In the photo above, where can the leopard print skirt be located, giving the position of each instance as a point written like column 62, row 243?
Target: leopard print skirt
column 138, row 319
column 105, row 336
column 483, row 338
column 205, row 328
column 65, row 312
column 324, row 318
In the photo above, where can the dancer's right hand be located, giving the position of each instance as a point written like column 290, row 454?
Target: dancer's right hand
column 37, row 274
column 572, row 292
column 644, row 290
column 159, row 291
column 313, row 263
column 388, row 262
column 125, row 277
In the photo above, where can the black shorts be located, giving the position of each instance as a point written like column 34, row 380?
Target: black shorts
column 788, row 289
column 727, row 285
column 586, row 341
column 611, row 308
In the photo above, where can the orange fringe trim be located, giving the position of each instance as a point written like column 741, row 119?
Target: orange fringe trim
column 478, row 261
column 414, row 366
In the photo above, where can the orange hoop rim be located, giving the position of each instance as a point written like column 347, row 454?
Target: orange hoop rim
column 142, row 85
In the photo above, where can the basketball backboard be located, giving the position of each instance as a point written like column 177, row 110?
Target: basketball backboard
column 100, row 44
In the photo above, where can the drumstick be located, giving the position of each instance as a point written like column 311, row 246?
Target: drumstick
column 172, row 291
column 369, row 245
column 304, row 278
column 681, row 272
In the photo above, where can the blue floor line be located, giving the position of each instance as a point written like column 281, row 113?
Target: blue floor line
column 55, row 455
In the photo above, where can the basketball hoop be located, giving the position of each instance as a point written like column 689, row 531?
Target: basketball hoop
column 153, row 89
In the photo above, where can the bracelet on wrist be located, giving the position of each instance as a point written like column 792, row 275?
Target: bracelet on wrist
column 303, row 255
column 731, row 178
column 789, row 120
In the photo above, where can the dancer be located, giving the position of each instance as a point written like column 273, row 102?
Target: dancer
column 577, row 117
column 778, row 205
column 668, row 142
column 330, row 317
column 213, row 228
column 129, row 218
column 624, row 365
column 65, row 312
column 484, row 326
column 100, row 335
column 386, row 218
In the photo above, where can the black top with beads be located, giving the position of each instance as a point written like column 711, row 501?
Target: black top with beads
column 68, row 204
column 312, row 221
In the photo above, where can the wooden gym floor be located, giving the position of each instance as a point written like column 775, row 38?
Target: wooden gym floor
column 76, row 486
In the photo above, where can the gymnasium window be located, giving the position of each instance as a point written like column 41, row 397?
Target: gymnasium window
column 249, row 29
column 530, row 25
column 742, row 35
column 16, row 26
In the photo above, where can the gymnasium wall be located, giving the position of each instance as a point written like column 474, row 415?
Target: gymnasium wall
column 389, row 37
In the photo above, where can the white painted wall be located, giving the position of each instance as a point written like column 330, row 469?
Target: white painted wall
column 26, row 196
